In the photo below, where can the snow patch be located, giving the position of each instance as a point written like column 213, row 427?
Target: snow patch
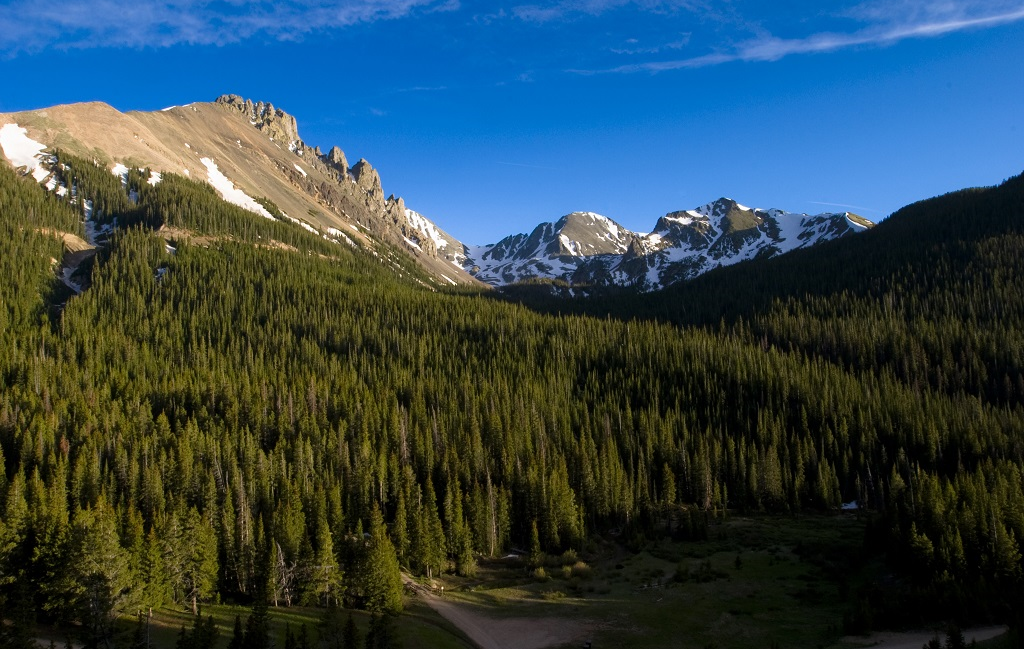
column 23, row 151
column 425, row 226
column 569, row 245
column 65, row 276
column 691, row 215
column 122, row 172
column 303, row 224
column 301, row 170
column 230, row 193
column 154, row 178
column 338, row 234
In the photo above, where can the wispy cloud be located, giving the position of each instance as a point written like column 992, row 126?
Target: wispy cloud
column 849, row 207
column 562, row 9
column 421, row 89
column 29, row 25
column 899, row 23
column 634, row 46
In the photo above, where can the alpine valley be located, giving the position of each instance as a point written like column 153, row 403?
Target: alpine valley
column 248, row 400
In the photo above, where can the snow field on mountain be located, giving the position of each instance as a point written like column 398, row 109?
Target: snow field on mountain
column 790, row 227
column 229, row 192
column 429, row 230
column 22, row 150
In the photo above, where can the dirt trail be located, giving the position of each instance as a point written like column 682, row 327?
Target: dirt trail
column 501, row 633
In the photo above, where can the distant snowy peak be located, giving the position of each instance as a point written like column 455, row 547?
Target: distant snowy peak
column 583, row 234
column 584, row 248
column 580, row 234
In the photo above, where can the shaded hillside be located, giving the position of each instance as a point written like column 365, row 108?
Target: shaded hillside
column 931, row 295
column 929, row 300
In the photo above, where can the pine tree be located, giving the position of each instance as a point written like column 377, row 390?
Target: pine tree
column 237, row 635
column 381, row 579
column 350, row 635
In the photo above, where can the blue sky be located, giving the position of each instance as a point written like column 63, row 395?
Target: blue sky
column 490, row 117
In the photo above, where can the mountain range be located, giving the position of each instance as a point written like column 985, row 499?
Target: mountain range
column 251, row 151
column 588, row 249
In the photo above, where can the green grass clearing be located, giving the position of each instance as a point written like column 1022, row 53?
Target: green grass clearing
column 755, row 581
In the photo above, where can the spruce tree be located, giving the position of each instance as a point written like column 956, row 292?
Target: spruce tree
column 381, row 578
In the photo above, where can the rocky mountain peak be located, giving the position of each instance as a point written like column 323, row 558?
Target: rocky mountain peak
column 274, row 122
column 336, row 158
column 367, row 177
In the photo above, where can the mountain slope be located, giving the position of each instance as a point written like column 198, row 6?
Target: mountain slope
column 592, row 250
column 247, row 151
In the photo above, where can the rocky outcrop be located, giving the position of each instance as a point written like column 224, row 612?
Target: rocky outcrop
column 335, row 158
column 355, row 192
column 367, row 178
column 274, row 122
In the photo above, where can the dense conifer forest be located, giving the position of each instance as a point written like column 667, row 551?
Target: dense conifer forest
column 253, row 412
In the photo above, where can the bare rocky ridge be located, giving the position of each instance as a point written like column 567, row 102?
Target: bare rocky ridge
column 277, row 124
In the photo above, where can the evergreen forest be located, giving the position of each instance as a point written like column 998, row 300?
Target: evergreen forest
column 252, row 413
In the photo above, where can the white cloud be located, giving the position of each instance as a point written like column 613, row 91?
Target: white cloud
column 899, row 21
column 29, row 25
column 633, row 46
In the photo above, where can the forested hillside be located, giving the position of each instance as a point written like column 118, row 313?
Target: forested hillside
column 930, row 300
column 243, row 402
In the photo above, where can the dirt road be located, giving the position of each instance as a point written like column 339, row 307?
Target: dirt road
column 501, row 633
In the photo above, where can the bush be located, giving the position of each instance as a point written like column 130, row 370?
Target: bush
column 582, row 570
